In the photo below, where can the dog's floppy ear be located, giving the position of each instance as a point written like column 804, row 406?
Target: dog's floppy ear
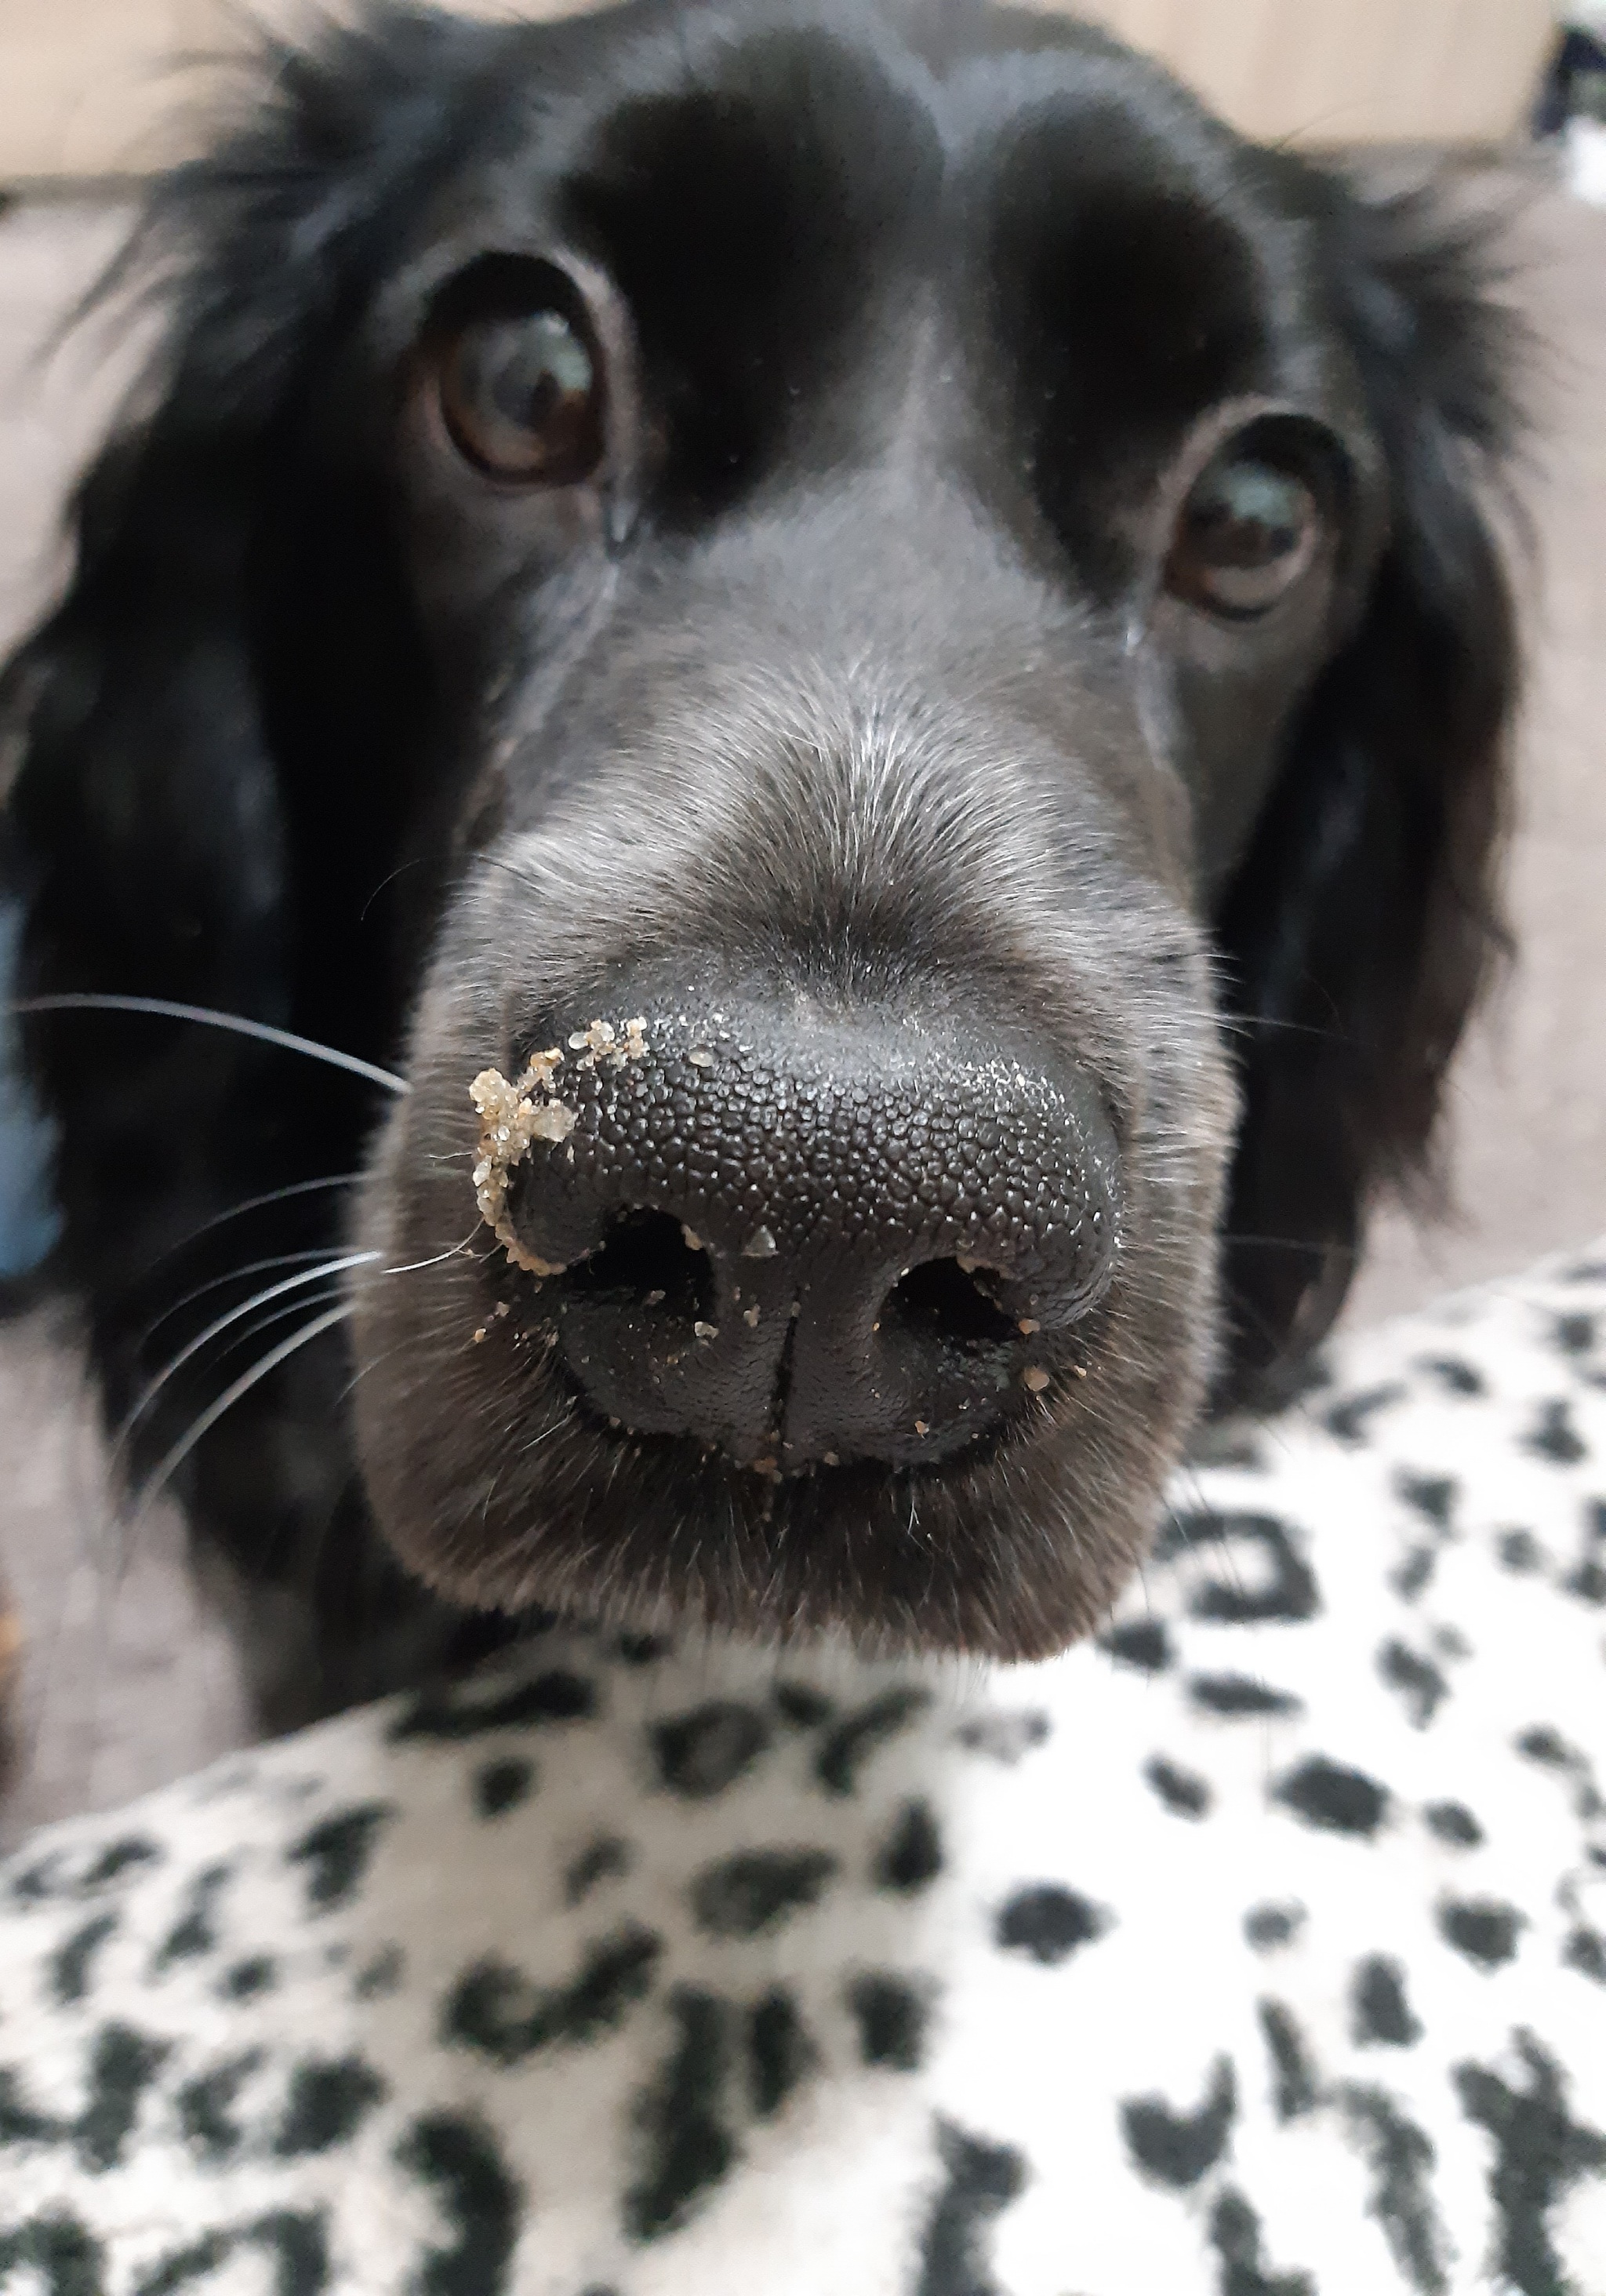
column 213, row 730
column 1363, row 923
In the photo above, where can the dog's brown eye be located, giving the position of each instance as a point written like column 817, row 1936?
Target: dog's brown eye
column 521, row 396
column 1247, row 531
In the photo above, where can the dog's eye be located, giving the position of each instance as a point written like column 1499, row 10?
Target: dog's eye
column 1247, row 531
column 521, row 396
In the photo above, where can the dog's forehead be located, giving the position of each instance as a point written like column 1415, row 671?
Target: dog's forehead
column 896, row 113
column 717, row 159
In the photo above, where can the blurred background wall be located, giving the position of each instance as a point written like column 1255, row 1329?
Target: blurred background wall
column 87, row 87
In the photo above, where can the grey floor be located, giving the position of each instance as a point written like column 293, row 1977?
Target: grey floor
column 126, row 1681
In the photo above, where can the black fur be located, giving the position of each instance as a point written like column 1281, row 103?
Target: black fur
column 254, row 735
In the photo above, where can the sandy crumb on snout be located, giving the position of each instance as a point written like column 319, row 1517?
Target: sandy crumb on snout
column 514, row 1116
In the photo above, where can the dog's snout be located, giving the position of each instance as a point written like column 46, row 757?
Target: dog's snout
column 812, row 1237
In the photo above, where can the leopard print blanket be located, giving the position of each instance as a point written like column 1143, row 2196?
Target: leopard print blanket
column 1259, row 1949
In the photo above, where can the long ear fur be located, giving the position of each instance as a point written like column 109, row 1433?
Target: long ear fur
column 216, row 725
column 215, row 733
column 1363, row 924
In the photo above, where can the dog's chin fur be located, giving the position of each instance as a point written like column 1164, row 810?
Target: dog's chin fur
column 855, row 670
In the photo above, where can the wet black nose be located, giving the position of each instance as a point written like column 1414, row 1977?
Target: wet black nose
column 803, row 1236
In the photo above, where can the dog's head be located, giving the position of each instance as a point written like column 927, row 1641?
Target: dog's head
column 866, row 644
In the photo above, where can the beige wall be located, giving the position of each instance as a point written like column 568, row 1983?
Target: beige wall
column 1341, row 72
column 87, row 87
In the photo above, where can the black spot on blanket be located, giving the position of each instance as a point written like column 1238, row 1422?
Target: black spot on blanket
column 1549, row 1748
column 114, row 1862
column 71, row 1965
column 780, row 2053
column 1540, row 2151
column 1349, row 1420
column 1454, row 1823
column 205, row 2108
column 802, row 1705
column 1482, row 1929
column 21, row 2122
column 1235, row 2237
column 296, row 2241
column 60, row 2249
column 1553, row 1436
column 328, row 2099
column 980, row 2182
column 1049, row 1923
column 1294, row 2077
column 380, row 1976
column 1144, row 1643
column 119, row 1861
column 1401, row 2158
column 602, row 1861
column 122, row 2065
column 859, row 1735
column 910, row 1857
column 447, row 1716
column 501, row 1786
column 1430, row 1495
column 1005, row 1736
column 259, row 1972
column 458, row 2158
column 892, row 2015
column 1267, row 1581
column 1185, row 1793
column 1334, row 1798
column 687, row 2148
column 1587, row 1581
column 1267, row 1927
column 336, row 1853
column 700, row 1753
column 1454, row 1374
column 1421, row 1684
column 1379, row 2011
column 495, row 2009
column 1176, row 2148
column 195, row 1931
column 643, row 1649
column 1232, row 1695
column 758, row 1890
column 1413, row 1572
column 1586, row 1951
column 1519, row 1551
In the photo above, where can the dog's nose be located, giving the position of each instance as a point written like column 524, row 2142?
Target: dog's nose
column 811, row 1236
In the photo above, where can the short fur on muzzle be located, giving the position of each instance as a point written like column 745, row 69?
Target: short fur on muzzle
column 899, row 841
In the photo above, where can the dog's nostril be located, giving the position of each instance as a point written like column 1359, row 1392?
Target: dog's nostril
column 892, row 1213
column 645, row 1259
column 940, row 1300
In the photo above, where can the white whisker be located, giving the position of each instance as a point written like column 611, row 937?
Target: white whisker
column 181, row 1450
column 410, row 1267
column 222, row 1323
column 163, row 1009
column 546, row 1434
column 247, row 1334
column 231, row 1275
column 269, row 1196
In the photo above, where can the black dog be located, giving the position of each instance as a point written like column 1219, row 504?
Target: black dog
column 883, row 545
